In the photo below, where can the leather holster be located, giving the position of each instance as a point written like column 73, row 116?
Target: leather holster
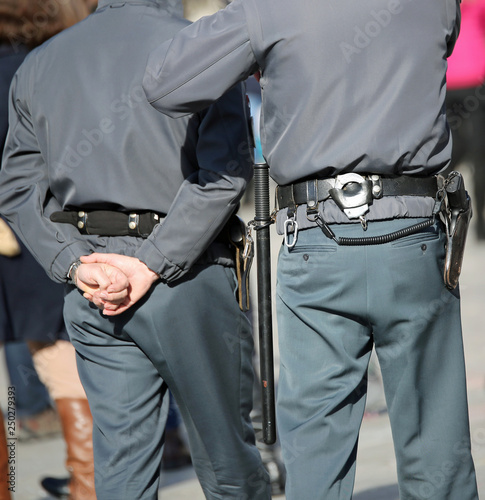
column 457, row 214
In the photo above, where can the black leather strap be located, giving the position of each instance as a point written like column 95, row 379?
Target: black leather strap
column 304, row 192
column 109, row 222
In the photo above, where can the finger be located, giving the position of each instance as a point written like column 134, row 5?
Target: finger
column 84, row 287
column 119, row 281
column 119, row 310
column 93, row 258
column 99, row 303
column 108, row 306
column 114, row 298
column 102, row 280
column 101, row 258
column 92, row 276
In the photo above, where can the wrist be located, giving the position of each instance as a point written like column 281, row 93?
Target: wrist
column 72, row 272
column 155, row 276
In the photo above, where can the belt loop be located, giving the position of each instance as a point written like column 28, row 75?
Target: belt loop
column 312, row 194
column 376, row 186
column 291, row 204
column 133, row 224
column 82, row 219
column 291, row 226
column 312, row 199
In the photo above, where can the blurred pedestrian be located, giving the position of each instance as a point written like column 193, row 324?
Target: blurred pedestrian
column 354, row 130
column 35, row 414
column 31, row 304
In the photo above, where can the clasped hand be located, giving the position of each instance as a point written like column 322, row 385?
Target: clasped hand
column 113, row 282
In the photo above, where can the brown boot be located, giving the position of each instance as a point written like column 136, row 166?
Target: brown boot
column 4, row 491
column 77, row 426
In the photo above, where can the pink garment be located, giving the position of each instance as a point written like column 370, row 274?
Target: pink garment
column 466, row 66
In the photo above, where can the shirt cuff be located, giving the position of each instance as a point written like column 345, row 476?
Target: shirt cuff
column 65, row 258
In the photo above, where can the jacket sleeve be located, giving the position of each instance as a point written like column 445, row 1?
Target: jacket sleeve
column 203, row 61
column 207, row 198
column 25, row 199
column 455, row 18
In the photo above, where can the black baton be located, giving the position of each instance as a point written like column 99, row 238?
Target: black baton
column 262, row 221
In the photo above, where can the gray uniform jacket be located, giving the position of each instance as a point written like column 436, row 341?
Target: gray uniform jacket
column 347, row 86
column 82, row 135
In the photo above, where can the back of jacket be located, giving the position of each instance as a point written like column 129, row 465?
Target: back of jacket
column 348, row 86
column 83, row 136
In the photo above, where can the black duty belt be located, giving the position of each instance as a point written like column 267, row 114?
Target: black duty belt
column 110, row 222
column 316, row 190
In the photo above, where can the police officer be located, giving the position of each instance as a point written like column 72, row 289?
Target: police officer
column 354, row 131
column 90, row 166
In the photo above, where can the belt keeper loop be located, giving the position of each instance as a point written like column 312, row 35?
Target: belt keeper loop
column 82, row 219
column 377, row 191
column 133, row 224
column 291, row 205
column 312, row 196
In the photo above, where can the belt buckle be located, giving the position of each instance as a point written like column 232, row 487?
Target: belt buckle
column 353, row 194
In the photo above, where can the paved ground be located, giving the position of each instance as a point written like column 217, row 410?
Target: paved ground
column 376, row 477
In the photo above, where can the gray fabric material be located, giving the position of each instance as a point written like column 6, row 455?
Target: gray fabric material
column 83, row 135
column 334, row 303
column 176, row 337
column 317, row 81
